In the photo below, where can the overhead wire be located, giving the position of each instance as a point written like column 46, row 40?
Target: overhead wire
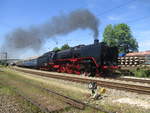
column 107, row 11
column 122, row 5
column 116, row 7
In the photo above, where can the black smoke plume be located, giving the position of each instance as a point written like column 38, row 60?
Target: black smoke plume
column 63, row 24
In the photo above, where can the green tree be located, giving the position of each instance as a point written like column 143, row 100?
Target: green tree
column 56, row 49
column 65, row 46
column 121, row 36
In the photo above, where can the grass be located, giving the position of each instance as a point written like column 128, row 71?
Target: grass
column 141, row 72
column 137, row 72
column 5, row 90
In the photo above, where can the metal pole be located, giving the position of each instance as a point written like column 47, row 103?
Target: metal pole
column 3, row 57
column 6, row 57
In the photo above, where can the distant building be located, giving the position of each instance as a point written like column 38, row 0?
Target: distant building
column 9, row 60
column 142, row 53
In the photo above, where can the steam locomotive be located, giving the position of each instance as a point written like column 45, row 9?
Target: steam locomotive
column 91, row 60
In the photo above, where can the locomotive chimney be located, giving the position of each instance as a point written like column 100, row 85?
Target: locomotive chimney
column 96, row 41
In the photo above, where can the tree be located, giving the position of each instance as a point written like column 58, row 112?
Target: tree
column 108, row 36
column 121, row 36
column 65, row 46
column 56, row 49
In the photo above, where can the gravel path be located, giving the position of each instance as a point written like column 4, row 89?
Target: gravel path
column 9, row 104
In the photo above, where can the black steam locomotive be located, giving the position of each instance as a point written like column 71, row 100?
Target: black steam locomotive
column 91, row 60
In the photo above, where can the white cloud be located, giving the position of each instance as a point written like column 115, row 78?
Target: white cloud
column 114, row 18
column 144, row 45
column 143, row 38
column 145, row 33
column 132, row 7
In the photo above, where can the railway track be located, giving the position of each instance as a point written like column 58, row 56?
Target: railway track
column 133, row 80
column 114, row 85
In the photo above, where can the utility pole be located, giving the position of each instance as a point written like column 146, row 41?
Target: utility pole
column 4, row 56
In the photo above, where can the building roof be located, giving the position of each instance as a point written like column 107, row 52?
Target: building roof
column 143, row 53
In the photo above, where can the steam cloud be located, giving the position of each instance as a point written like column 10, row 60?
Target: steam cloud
column 34, row 37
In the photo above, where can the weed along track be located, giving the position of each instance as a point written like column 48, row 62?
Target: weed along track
column 114, row 85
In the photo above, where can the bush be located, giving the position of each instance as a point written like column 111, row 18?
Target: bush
column 136, row 72
column 141, row 72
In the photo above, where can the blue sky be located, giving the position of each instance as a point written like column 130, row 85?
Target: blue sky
column 24, row 13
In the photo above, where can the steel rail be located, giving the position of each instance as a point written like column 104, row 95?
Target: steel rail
column 133, row 80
